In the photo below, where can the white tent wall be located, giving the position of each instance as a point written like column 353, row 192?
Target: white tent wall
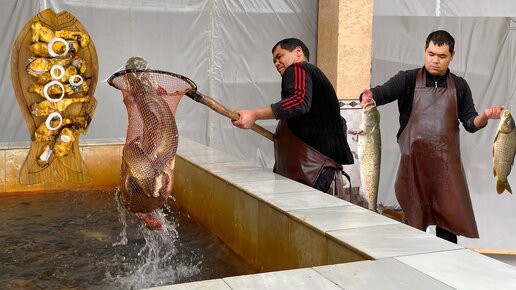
column 223, row 46
column 485, row 56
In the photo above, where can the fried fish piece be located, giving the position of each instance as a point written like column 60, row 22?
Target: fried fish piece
column 43, row 134
column 41, row 33
column 46, row 107
column 47, row 77
column 41, row 48
column 82, row 38
column 56, row 89
column 64, row 141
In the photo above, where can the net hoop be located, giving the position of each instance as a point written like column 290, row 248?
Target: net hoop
column 189, row 85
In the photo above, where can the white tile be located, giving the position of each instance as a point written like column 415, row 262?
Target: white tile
column 204, row 151
column 274, row 186
column 392, row 241
column 207, row 157
column 230, row 166
column 382, row 274
column 302, row 200
column 339, row 218
column 299, row 279
column 464, row 269
column 217, row 284
column 244, row 176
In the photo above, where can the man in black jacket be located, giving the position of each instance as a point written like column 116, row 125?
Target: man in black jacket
column 309, row 113
column 430, row 184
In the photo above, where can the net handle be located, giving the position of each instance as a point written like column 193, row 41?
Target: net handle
column 198, row 97
column 221, row 109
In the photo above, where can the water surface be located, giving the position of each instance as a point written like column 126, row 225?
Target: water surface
column 84, row 240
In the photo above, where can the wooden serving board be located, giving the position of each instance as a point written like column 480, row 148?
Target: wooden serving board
column 70, row 167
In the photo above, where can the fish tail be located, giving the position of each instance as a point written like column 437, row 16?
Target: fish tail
column 501, row 186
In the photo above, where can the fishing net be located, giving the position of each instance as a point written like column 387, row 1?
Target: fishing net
column 148, row 158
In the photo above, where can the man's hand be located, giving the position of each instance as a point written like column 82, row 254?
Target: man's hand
column 494, row 112
column 246, row 120
column 367, row 98
column 249, row 117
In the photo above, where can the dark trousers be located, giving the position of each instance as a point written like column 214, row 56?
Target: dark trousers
column 446, row 235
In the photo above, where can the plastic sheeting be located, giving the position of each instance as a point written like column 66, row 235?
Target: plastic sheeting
column 462, row 8
column 484, row 56
column 223, row 46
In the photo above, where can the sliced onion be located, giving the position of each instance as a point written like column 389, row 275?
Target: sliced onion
column 72, row 81
column 47, row 87
column 61, row 70
column 51, row 49
column 50, row 118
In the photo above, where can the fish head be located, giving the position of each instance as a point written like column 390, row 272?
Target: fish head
column 136, row 62
column 507, row 124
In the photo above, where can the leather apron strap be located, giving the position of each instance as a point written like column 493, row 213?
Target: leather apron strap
column 298, row 161
column 430, row 185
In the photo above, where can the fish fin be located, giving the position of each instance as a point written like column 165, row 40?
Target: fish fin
column 494, row 172
column 501, row 186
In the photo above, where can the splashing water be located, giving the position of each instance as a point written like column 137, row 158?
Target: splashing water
column 157, row 260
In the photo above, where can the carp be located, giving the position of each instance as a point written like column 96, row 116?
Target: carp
column 504, row 148
column 147, row 160
column 369, row 154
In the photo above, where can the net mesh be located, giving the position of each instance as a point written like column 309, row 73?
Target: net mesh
column 148, row 157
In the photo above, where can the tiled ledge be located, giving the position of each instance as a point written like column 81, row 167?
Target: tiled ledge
column 241, row 201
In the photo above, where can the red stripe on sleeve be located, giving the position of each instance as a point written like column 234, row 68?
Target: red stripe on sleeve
column 299, row 88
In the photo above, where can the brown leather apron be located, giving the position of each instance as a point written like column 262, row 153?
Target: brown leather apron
column 300, row 162
column 431, row 186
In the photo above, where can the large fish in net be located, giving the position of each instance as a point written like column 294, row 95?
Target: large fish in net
column 148, row 157
column 151, row 97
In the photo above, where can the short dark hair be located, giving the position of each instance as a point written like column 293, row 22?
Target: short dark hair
column 290, row 44
column 439, row 38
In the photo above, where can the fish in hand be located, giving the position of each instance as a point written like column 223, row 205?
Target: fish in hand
column 504, row 148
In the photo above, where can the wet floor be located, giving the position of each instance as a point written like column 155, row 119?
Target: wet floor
column 83, row 240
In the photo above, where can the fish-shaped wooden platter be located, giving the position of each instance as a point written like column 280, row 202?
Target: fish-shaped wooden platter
column 54, row 72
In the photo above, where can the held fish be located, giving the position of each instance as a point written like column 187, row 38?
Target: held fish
column 369, row 154
column 504, row 148
column 138, row 171
column 148, row 160
column 160, row 130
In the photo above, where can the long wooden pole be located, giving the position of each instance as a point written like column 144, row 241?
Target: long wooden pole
column 221, row 109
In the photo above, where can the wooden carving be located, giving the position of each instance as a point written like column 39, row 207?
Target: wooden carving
column 54, row 71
